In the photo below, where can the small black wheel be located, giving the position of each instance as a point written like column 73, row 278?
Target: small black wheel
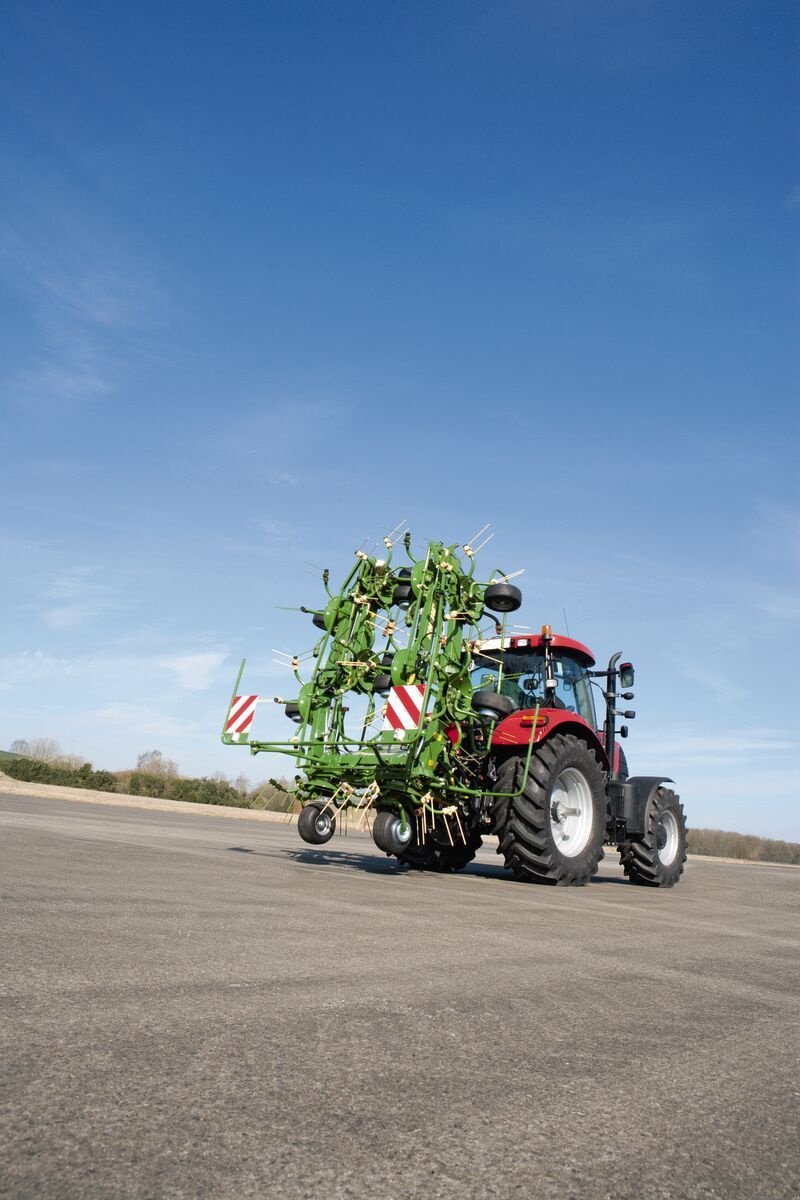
column 316, row 826
column 392, row 833
column 402, row 595
column 502, row 597
column 292, row 710
column 657, row 859
column 382, row 684
column 318, row 619
column 492, row 704
column 387, row 659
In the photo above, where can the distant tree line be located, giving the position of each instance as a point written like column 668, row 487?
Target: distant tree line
column 720, row 844
column 41, row 760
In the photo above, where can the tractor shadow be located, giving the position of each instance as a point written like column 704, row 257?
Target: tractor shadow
column 384, row 865
column 346, row 858
column 372, row 864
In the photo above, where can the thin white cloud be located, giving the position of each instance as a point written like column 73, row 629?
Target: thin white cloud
column 35, row 664
column 775, row 532
column 90, row 294
column 194, row 672
column 723, row 689
column 283, row 479
column 733, row 748
column 81, row 598
column 73, row 371
column 275, row 529
column 139, row 720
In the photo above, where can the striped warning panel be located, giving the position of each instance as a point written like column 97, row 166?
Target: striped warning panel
column 404, row 707
column 240, row 716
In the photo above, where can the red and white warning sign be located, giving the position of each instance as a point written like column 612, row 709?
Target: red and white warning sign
column 404, row 707
column 240, row 716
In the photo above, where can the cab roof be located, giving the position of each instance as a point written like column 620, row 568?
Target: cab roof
column 534, row 642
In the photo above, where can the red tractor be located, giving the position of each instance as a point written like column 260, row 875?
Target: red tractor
column 560, row 784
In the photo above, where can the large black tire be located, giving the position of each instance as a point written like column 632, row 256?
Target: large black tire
column 444, row 859
column 554, row 831
column 315, row 826
column 657, row 859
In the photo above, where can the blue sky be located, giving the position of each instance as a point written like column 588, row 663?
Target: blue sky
column 273, row 277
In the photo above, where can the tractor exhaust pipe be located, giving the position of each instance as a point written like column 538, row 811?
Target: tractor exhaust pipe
column 610, row 695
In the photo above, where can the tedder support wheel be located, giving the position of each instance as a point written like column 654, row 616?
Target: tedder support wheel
column 493, row 704
column 552, row 832
column 391, row 833
column 657, row 859
column 502, row 597
column 315, row 826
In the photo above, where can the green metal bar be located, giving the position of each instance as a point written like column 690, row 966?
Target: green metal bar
column 225, row 738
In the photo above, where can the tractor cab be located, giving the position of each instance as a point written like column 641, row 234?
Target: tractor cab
column 549, row 672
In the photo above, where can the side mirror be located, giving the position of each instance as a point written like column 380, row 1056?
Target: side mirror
column 626, row 674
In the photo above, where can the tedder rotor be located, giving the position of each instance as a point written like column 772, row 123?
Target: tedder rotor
column 437, row 734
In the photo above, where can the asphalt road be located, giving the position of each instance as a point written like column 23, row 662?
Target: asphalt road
column 197, row 1006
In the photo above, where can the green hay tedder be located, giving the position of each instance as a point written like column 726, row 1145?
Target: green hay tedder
column 434, row 730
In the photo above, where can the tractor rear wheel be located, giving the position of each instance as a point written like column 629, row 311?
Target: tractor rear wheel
column 553, row 830
column 315, row 826
column 657, row 859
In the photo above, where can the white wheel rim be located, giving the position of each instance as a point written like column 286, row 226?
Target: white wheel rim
column 571, row 812
column 667, row 838
column 402, row 836
column 322, row 824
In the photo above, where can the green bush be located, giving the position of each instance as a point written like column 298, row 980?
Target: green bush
column 34, row 770
column 205, row 791
column 100, row 781
column 142, row 783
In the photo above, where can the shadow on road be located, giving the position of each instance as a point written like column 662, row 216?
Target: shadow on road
column 374, row 865
column 390, row 866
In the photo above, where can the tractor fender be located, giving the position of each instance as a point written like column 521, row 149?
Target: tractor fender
column 517, row 728
column 637, row 792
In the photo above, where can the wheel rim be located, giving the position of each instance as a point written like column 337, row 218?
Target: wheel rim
column 571, row 812
column 667, row 838
column 399, row 834
column 322, row 824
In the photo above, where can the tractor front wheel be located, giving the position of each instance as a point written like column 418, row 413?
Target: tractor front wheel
column 315, row 826
column 657, row 859
column 552, row 825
